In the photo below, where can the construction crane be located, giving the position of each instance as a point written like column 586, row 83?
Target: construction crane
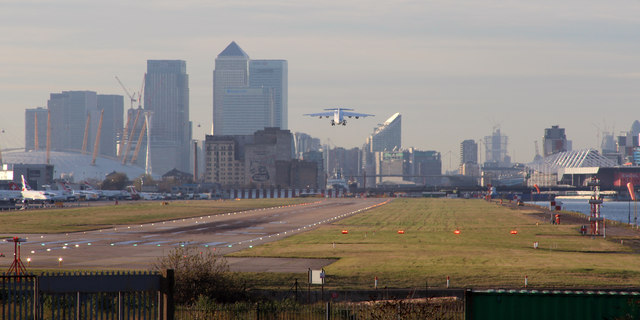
column 132, row 98
column 125, row 141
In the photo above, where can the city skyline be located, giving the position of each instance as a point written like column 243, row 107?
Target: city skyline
column 453, row 69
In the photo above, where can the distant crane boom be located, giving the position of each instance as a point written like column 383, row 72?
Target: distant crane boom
column 141, row 92
column 132, row 98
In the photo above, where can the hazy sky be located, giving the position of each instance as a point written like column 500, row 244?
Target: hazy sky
column 453, row 69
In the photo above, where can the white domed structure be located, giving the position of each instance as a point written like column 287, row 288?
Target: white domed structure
column 76, row 165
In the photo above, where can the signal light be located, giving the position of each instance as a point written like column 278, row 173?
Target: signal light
column 514, row 231
column 457, row 231
column 345, row 231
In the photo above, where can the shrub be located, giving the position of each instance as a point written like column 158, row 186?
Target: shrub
column 200, row 273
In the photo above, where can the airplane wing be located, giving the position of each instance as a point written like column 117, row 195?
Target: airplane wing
column 320, row 114
column 356, row 115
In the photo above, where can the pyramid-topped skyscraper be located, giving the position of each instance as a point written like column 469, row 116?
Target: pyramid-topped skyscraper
column 248, row 95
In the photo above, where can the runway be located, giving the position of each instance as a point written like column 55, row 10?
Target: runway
column 137, row 247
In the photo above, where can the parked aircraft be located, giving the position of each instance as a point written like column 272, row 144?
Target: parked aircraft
column 338, row 115
column 59, row 194
column 80, row 194
column 34, row 195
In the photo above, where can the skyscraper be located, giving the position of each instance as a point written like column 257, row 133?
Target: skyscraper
column 272, row 74
column 246, row 110
column 468, row 152
column 496, row 149
column 71, row 113
column 166, row 96
column 388, row 136
column 554, row 141
column 231, row 71
column 248, row 95
column 30, row 116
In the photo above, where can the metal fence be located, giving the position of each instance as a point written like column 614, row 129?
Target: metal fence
column 78, row 296
column 435, row 308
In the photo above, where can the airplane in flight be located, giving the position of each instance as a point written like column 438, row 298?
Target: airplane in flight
column 338, row 115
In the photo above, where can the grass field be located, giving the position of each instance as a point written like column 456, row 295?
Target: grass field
column 95, row 217
column 484, row 254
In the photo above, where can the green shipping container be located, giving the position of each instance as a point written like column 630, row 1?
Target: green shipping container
column 549, row 305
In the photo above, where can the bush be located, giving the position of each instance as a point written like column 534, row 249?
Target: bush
column 200, row 274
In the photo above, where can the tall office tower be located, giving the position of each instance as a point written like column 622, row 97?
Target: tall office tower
column 468, row 152
column 231, row 71
column 166, row 96
column 71, row 112
column 554, row 141
column 112, row 123
column 246, row 110
column 305, row 143
column 388, row 136
column 496, row 149
column 272, row 74
column 30, row 116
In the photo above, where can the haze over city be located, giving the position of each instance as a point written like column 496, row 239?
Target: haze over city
column 453, row 69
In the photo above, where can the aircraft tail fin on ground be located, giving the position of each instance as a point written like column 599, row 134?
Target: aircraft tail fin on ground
column 25, row 185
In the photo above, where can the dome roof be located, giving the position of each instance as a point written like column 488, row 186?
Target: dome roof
column 73, row 164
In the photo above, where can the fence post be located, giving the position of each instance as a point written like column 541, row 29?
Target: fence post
column 328, row 311
column 167, row 294
column 78, row 305
column 36, row 299
column 120, row 306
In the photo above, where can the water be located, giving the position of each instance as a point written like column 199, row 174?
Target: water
column 622, row 211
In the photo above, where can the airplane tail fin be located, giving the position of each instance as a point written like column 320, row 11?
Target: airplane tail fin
column 88, row 187
column 65, row 187
column 25, row 185
column 132, row 190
